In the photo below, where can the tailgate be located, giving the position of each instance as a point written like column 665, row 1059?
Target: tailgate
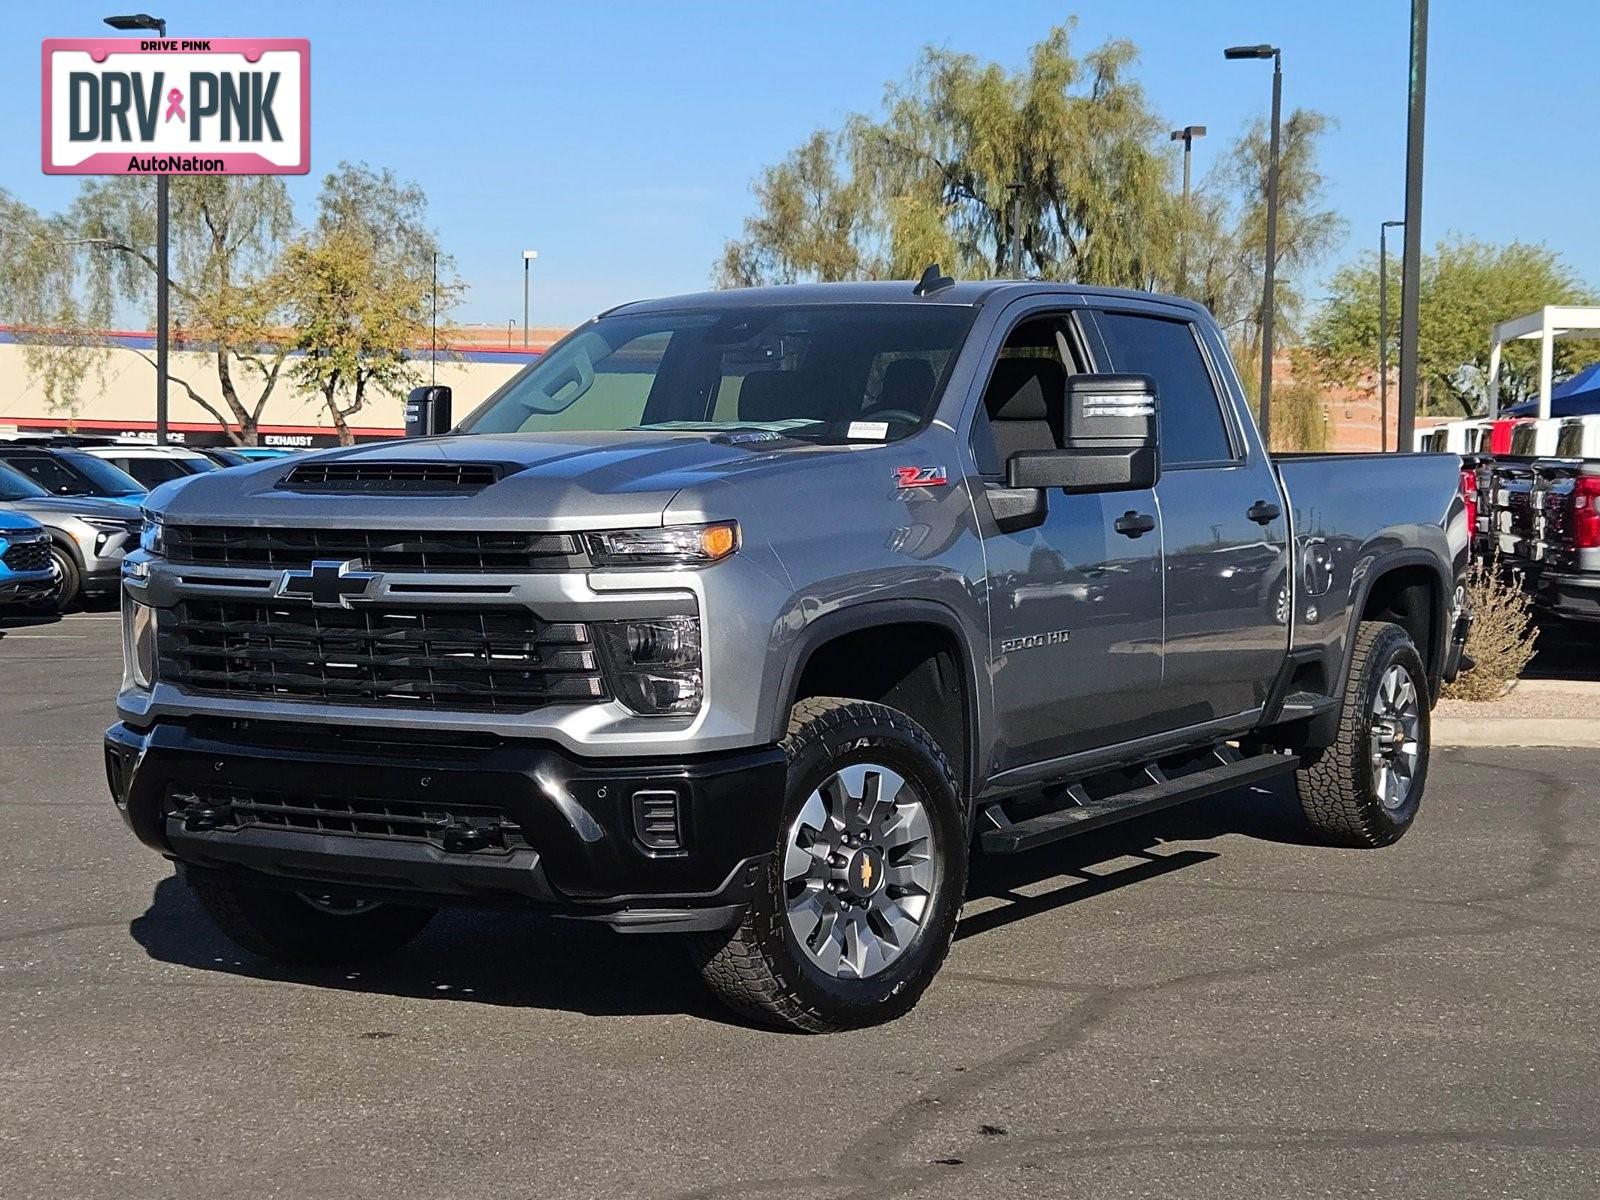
column 1530, row 513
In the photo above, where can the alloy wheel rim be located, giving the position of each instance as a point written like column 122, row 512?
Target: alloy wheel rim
column 859, row 871
column 338, row 906
column 1392, row 731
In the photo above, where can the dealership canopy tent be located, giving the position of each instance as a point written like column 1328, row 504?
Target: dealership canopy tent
column 1552, row 322
column 1576, row 397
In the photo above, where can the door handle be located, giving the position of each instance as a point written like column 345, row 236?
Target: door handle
column 1263, row 512
column 1134, row 524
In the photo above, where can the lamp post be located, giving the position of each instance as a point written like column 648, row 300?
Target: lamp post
column 1186, row 135
column 159, row 26
column 527, row 258
column 1411, row 261
column 1383, row 334
column 1267, row 296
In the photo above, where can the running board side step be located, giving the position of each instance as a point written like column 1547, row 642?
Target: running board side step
column 1089, row 813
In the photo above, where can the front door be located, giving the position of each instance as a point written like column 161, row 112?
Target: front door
column 1074, row 605
column 1225, row 536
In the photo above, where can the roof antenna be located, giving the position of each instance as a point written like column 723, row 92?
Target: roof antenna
column 932, row 281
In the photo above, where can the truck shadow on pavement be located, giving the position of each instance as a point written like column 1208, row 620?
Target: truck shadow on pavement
column 512, row 958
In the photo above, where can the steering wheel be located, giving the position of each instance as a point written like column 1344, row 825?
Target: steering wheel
column 893, row 414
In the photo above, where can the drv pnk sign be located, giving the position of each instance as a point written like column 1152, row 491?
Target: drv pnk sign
column 170, row 106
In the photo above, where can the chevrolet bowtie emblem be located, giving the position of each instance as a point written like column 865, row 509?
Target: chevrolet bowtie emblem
column 866, row 873
column 329, row 584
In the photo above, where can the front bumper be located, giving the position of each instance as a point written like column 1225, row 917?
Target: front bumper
column 442, row 819
column 25, row 589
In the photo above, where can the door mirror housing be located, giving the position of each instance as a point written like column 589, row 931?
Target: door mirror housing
column 428, row 412
column 1111, row 432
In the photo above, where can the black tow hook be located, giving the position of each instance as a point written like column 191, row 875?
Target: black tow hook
column 198, row 818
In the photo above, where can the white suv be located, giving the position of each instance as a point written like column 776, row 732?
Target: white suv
column 151, row 464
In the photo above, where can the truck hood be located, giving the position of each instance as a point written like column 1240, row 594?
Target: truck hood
column 546, row 481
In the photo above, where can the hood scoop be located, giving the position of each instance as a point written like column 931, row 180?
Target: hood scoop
column 385, row 477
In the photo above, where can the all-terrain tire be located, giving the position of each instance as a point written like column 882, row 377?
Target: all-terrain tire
column 759, row 969
column 290, row 928
column 1338, row 792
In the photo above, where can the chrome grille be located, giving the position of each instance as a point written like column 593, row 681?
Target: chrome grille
column 377, row 549
column 385, row 655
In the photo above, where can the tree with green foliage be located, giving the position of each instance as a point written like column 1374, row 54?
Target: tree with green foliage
column 359, row 289
column 1067, row 153
column 1467, row 288
column 63, row 279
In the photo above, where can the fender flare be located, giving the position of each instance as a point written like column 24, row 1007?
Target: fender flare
column 867, row 615
column 1440, row 631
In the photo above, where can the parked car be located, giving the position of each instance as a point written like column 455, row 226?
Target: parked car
column 1544, row 522
column 747, row 615
column 257, row 453
column 152, row 465
column 28, row 575
column 70, row 472
column 223, row 456
column 88, row 534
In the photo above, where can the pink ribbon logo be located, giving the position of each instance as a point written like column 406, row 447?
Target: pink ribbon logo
column 175, row 105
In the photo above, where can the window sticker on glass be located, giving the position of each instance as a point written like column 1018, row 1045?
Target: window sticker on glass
column 874, row 431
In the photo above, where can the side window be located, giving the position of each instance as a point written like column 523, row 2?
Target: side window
column 1192, row 427
column 1022, row 404
column 50, row 475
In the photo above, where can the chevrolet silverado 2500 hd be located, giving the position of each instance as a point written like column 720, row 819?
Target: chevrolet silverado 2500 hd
column 751, row 615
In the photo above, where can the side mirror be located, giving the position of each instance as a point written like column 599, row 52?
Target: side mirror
column 428, row 412
column 1111, row 438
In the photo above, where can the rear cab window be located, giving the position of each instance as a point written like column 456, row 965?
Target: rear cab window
column 1194, row 431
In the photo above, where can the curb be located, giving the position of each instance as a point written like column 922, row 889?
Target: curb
column 1517, row 731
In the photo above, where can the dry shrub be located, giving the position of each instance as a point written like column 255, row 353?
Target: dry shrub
column 1503, row 634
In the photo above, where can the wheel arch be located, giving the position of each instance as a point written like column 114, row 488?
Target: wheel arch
column 920, row 662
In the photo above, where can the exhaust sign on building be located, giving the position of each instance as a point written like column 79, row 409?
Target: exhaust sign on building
column 169, row 106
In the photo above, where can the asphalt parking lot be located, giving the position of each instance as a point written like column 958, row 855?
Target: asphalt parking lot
column 1202, row 1005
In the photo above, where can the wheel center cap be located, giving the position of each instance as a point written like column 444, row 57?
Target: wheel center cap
column 863, row 874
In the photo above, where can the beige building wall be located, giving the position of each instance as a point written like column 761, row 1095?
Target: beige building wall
column 119, row 397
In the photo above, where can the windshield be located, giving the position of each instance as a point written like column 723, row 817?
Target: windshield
column 14, row 486
column 827, row 373
column 107, row 480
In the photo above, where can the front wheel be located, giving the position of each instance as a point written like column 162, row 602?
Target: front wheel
column 1366, row 788
column 861, row 895
column 69, row 581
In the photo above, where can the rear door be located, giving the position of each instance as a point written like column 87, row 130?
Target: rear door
column 1224, row 532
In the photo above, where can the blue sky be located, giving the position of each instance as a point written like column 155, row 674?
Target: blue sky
column 620, row 139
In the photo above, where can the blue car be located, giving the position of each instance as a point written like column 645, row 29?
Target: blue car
column 27, row 572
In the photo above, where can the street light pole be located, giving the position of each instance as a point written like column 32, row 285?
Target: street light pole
column 1186, row 135
column 159, row 26
column 1411, row 264
column 1383, row 334
column 527, row 258
column 1268, row 305
column 1016, row 229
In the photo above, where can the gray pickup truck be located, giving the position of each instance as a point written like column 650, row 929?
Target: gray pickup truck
column 752, row 615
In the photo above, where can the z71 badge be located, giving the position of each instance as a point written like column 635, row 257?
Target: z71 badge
column 919, row 477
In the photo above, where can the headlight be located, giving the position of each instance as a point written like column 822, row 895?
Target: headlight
column 153, row 537
column 106, row 530
column 671, row 545
column 655, row 663
column 138, row 644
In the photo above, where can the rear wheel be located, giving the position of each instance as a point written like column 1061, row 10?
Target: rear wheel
column 861, row 895
column 1366, row 788
column 307, row 928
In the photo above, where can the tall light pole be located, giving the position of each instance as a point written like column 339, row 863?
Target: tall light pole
column 1016, row 229
column 1267, row 292
column 1186, row 135
column 527, row 259
column 1383, row 334
column 159, row 26
column 1411, row 263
